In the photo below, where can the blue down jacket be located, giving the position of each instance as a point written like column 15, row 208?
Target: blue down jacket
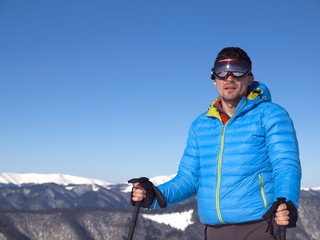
column 240, row 169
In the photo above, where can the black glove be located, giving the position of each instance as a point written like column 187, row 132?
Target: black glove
column 271, row 213
column 152, row 193
column 293, row 214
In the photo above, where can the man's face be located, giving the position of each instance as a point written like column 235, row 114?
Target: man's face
column 231, row 89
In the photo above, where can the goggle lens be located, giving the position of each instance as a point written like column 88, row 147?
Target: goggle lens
column 224, row 69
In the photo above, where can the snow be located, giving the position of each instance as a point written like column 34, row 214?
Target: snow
column 156, row 181
column 66, row 180
column 311, row 189
column 177, row 220
column 161, row 179
column 61, row 179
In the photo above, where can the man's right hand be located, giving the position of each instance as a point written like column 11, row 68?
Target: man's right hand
column 138, row 192
column 145, row 192
column 142, row 191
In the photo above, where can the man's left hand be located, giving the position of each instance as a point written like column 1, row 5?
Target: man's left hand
column 282, row 215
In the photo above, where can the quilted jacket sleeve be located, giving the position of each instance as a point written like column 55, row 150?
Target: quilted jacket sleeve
column 282, row 148
column 184, row 184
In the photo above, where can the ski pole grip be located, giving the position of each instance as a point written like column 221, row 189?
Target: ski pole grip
column 282, row 229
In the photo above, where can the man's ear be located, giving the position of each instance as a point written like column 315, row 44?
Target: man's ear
column 251, row 79
column 214, row 82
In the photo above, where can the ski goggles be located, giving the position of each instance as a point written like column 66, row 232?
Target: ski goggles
column 223, row 69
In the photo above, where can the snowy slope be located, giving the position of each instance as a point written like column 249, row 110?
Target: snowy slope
column 61, row 179
column 179, row 220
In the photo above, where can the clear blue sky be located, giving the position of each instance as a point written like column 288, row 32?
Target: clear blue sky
column 108, row 89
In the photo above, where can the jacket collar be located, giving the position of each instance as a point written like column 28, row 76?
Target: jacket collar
column 256, row 92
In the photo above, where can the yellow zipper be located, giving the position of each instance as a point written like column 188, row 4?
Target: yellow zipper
column 219, row 166
column 262, row 192
column 219, row 176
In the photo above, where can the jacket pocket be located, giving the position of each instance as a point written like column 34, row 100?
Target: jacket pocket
column 261, row 189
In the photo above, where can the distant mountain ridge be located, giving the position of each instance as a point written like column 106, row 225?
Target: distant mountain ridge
column 65, row 179
column 36, row 178
column 57, row 191
column 69, row 207
column 62, row 179
column 51, row 191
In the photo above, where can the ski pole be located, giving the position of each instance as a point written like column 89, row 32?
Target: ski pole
column 134, row 220
column 144, row 183
column 282, row 229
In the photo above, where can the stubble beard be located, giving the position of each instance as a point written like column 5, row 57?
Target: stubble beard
column 232, row 99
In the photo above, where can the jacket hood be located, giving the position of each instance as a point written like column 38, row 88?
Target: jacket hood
column 257, row 88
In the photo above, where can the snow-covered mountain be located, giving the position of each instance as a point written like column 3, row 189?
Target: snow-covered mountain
column 76, row 204
column 34, row 191
column 60, row 179
column 72, row 199
column 311, row 189
column 20, row 179
column 315, row 191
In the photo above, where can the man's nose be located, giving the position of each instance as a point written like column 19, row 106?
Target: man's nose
column 230, row 77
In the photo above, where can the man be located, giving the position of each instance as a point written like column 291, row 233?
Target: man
column 241, row 157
